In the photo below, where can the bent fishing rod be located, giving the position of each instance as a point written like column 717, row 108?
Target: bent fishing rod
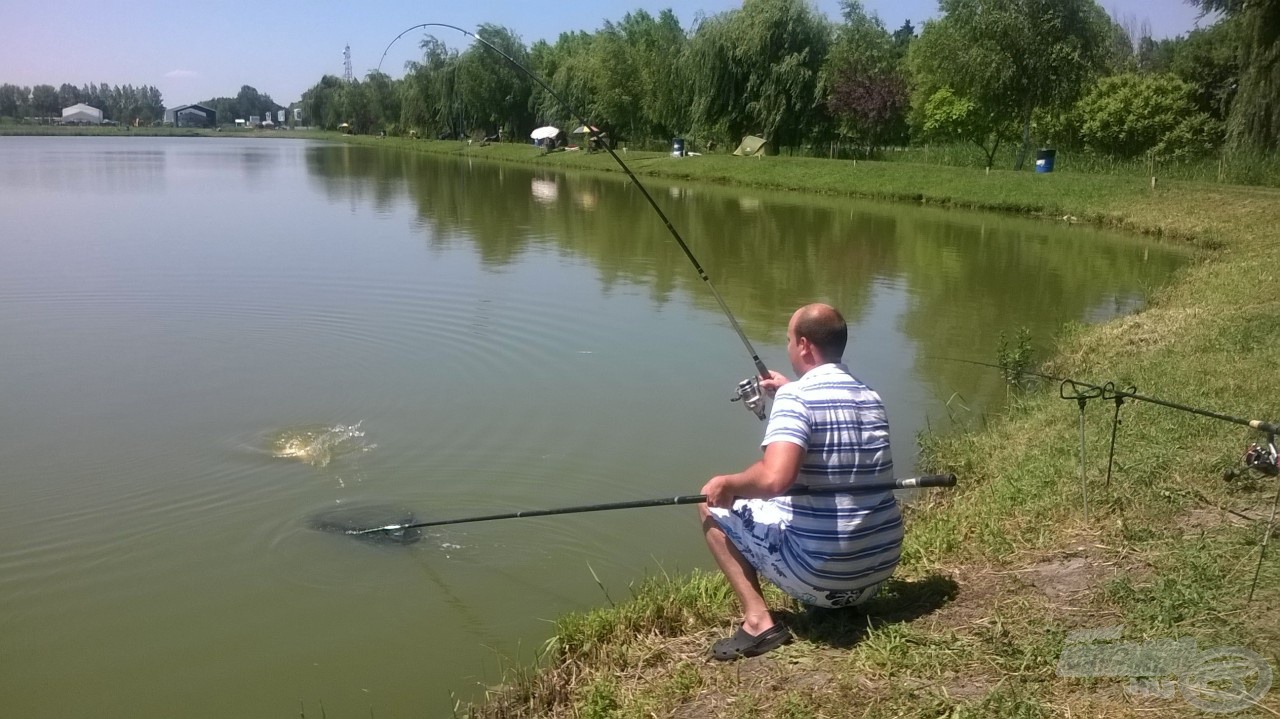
column 927, row 481
column 1108, row 391
column 748, row 390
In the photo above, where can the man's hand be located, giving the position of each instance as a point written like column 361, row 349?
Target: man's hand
column 718, row 492
column 776, row 379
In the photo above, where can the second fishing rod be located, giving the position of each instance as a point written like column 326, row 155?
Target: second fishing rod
column 748, row 390
column 1108, row 392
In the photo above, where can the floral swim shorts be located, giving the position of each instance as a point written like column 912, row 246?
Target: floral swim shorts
column 755, row 527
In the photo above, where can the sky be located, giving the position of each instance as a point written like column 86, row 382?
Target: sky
column 197, row 51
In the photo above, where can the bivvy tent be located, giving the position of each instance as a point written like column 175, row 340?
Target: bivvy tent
column 751, row 146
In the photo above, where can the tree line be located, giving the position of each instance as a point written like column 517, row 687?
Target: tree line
column 123, row 103
column 246, row 104
column 119, row 103
column 991, row 73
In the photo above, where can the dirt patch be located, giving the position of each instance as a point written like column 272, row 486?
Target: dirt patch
column 966, row 688
column 1204, row 519
column 1062, row 578
column 1069, row 584
column 982, row 591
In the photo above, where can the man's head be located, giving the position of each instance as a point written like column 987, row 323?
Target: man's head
column 816, row 335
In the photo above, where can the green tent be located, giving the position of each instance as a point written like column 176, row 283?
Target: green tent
column 751, row 146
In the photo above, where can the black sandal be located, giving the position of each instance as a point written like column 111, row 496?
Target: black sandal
column 742, row 644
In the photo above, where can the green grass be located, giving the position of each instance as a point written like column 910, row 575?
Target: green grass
column 1234, row 167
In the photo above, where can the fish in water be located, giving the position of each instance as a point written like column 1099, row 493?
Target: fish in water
column 353, row 519
column 317, row 445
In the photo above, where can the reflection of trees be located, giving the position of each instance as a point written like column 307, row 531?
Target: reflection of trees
column 972, row 277
column 967, row 276
column 764, row 262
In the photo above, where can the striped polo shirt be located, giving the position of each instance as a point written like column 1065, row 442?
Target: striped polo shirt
column 837, row 542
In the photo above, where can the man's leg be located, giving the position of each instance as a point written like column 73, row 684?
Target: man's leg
column 742, row 577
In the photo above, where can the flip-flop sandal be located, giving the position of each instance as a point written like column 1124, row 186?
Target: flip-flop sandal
column 742, row 644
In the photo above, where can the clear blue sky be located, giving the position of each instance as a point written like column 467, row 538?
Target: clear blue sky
column 195, row 51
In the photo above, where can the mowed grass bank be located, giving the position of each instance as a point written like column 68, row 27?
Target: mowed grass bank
column 1111, row 200
column 1000, row 571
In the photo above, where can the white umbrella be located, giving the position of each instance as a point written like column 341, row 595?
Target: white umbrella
column 543, row 133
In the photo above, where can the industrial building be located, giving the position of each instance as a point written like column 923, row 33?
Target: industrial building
column 190, row 116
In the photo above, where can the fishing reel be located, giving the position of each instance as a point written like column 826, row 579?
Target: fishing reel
column 749, row 394
column 1260, row 458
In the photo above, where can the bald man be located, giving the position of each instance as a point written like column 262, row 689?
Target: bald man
column 832, row 550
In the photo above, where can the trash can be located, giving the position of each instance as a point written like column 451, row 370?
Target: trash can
column 677, row 147
column 1044, row 159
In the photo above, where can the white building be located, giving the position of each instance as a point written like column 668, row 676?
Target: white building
column 83, row 113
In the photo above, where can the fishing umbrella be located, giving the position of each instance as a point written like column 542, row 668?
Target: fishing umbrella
column 543, row 133
column 585, row 130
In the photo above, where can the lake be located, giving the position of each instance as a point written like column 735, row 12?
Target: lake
column 207, row 341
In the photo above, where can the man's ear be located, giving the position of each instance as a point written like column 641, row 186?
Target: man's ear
column 806, row 347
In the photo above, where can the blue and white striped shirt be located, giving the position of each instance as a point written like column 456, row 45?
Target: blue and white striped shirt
column 837, row 542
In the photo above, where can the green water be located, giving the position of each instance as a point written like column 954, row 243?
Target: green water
column 207, row 340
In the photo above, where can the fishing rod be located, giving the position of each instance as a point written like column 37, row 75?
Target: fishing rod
column 1262, row 457
column 922, row 482
column 748, row 390
column 1109, row 392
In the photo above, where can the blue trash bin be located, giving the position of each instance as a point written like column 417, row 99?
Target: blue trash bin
column 1044, row 159
column 677, row 147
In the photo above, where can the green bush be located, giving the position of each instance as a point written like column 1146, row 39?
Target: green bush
column 1129, row 115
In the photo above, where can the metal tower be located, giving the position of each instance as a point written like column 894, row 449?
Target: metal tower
column 346, row 63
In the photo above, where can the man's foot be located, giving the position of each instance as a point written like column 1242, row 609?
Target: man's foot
column 742, row 644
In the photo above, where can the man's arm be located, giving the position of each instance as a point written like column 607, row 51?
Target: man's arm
column 771, row 476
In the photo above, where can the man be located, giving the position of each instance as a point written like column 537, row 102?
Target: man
column 832, row 550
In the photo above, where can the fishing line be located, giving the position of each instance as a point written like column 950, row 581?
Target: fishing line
column 748, row 389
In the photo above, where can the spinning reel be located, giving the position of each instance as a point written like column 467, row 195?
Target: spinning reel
column 1260, row 457
column 749, row 394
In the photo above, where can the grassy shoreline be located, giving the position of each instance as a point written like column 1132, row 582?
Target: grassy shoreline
column 998, row 573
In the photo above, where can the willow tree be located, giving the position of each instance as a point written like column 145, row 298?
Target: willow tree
column 758, row 70
column 641, row 69
column 565, row 66
column 429, row 97
column 1010, row 58
column 1254, row 119
column 322, row 103
column 493, row 92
